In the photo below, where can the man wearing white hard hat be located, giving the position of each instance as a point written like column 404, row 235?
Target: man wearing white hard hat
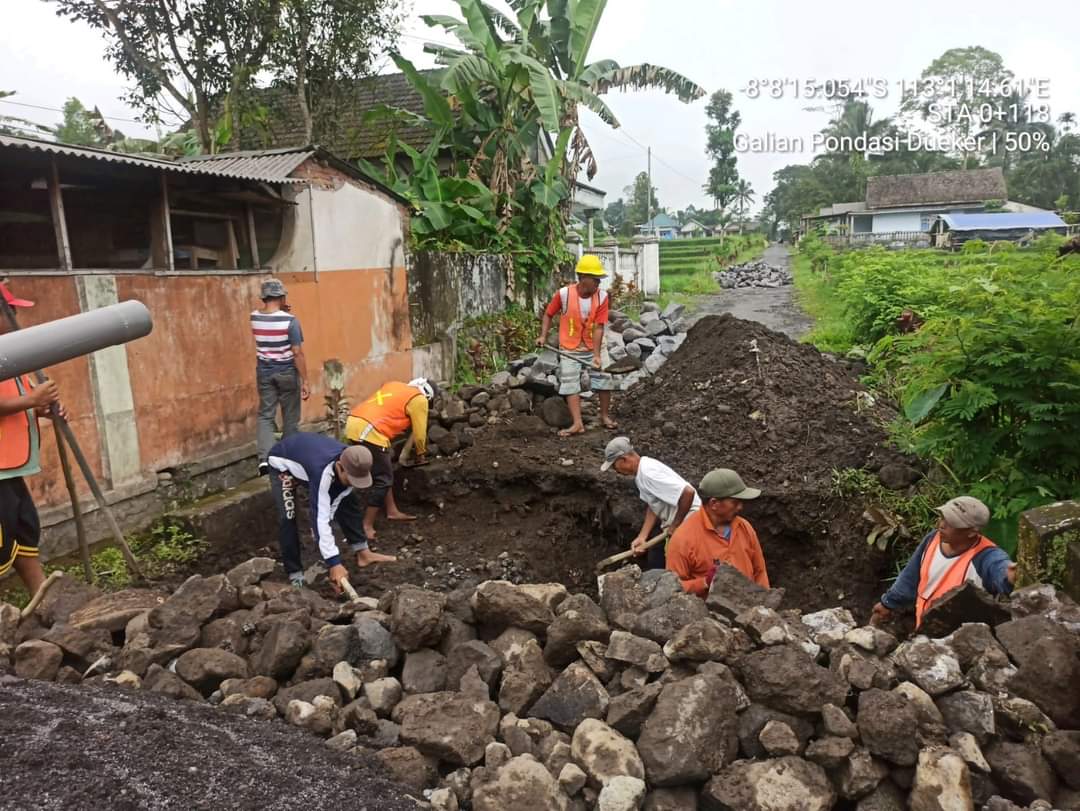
column 954, row 553
column 375, row 423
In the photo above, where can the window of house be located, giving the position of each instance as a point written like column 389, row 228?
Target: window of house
column 926, row 220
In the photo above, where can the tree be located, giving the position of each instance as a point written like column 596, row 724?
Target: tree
column 82, row 127
column 637, row 210
column 744, row 195
column 14, row 125
column 953, row 87
column 184, row 57
column 615, row 215
column 323, row 47
column 720, row 146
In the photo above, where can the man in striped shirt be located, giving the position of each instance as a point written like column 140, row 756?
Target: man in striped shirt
column 281, row 368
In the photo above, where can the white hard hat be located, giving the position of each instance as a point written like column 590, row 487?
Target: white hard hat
column 427, row 388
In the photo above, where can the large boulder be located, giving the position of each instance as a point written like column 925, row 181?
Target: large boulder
column 691, row 732
column 450, row 726
column 885, row 722
column 521, row 784
column 732, row 593
column 282, row 649
column 942, row 782
column 665, row 620
column 622, row 596
column 708, row 640
column 525, row 679
column 83, row 645
column 604, row 754
column 754, row 719
column 628, row 711
column 196, row 600
column 966, row 603
column 571, row 627
column 424, row 672
column 37, row 659
column 969, row 711
column 416, row 619
column 206, row 668
column 786, row 678
column 830, row 626
column 410, row 767
column 576, row 694
column 1049, row 677
column 376, row 643
column 499, row 604
column 931, row 664
column 65, row 597
column 250, row 572
column 781, row 784
column 638, row 651
column 469, row 654
column 1062, row 749
column 1021, row 772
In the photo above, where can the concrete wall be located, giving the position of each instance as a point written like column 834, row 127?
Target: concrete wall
column 900, row 221
column 639, row 263
column 445, row 289
column 184, row 397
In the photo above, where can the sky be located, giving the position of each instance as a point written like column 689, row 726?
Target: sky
column 717, row 43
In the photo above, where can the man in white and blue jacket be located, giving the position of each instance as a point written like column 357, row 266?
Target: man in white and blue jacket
column 954, row 553
column 332, row 471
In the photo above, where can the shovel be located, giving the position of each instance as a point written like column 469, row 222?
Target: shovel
column 617, row 368
column 630, row 553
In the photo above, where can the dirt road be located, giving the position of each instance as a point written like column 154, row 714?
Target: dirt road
column 776, row 307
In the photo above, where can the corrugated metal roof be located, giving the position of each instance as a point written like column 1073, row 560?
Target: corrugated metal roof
column 271, row 163
column 272, row 170
column 1003, row 221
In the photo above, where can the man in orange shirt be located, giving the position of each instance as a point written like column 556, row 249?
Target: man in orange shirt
column 715, row 535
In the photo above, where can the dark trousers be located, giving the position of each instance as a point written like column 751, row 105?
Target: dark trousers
column 382, row 474
column 276, row 389
column 349, row 516
column 656, row 557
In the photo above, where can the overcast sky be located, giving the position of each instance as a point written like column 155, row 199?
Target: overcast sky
column 717, row 43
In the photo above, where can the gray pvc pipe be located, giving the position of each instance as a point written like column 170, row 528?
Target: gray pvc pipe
column 56, row 341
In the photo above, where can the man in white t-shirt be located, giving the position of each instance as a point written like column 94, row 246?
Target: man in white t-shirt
column 668, row 497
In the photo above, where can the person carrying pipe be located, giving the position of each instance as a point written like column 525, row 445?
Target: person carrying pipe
column 375, row 423
column 668, row 497
column 332, row 471
column 716, row 535
column 21, row 404
column 953, row 553
column 583, row 311
column 280, row 367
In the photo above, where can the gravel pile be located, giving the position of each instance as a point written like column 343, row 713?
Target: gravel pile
column 753, row 274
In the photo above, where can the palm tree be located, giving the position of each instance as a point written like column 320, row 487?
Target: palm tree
column 744, row 196
column 1067, row 122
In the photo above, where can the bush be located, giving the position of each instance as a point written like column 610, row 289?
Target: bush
column 990, row 381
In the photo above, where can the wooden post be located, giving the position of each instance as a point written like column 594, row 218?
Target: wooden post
column 255, row 263
column 56, row 203
column 76, row 509
column 166, row 215
column 234, row 250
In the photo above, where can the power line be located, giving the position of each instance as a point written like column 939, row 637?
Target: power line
column 59, row 110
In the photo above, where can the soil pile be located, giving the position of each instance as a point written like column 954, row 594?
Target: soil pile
column 488, row 695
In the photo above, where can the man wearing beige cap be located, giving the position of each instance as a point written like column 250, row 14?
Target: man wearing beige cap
column 717, row 536
column 954, row 553
column 332, row 471
column 667, row 495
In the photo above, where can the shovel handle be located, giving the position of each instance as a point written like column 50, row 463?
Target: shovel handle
column 349, row 590
column 629, row 553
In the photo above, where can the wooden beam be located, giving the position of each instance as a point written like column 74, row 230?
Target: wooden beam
column 252, row 238
column 56, row 203
column 166, row 215
column 233, row 248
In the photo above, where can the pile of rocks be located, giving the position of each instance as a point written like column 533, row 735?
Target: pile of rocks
column 524, row 697
column 753, row 274
column 643, row 346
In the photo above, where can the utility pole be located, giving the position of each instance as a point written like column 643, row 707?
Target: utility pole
column 648, row 207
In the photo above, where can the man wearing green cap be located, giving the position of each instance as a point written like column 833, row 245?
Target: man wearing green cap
column 953, row 553
column 668, row 498
column 716, row 535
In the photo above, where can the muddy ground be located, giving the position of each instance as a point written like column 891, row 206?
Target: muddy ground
column 93, row 748
column 525, row 505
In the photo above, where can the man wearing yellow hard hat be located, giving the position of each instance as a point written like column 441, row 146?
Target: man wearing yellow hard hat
column 583, row 311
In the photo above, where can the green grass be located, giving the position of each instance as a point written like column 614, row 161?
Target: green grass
column 832, row 330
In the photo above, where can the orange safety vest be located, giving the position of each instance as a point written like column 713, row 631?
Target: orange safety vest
column 953, row 577
column 18, row 433
column 572, row 331
column 385, row 410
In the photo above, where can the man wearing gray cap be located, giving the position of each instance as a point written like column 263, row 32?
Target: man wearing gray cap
column 954, row 553
column 716, row 535
column 280, row 368
column 667, row 495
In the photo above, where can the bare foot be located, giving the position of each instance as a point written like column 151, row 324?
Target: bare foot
column 573, row 429
column 370, row 533
column 366, row 557
column 400, row 516
column 609, row 423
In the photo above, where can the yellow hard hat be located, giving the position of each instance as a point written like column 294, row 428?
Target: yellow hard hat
column 590, row 265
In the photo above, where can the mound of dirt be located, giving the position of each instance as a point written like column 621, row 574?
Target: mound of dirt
column 740, row 395
column 89, row 748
